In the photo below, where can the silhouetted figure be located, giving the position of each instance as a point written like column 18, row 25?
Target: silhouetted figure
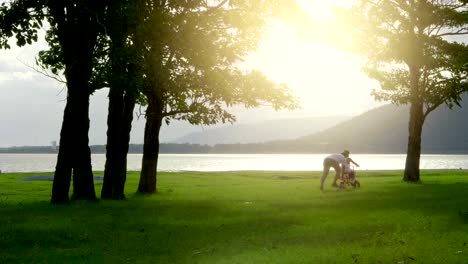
column 335, row 161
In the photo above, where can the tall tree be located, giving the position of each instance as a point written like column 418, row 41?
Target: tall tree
column 74, row 30
column 116, row 66
column 77, row 27
column 124, row 78
column 192, row 53
column 412, row 52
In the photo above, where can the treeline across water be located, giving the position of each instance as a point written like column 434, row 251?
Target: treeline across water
column 174, row 148
column 279, row 147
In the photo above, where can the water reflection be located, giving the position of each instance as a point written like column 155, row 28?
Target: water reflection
column 228, row 162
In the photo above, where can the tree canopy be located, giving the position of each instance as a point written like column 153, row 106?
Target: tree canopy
column 192, row 54
column 75, row 28
column 21, row 20
column 413, row 49
column 192, row 57
column 398, row 35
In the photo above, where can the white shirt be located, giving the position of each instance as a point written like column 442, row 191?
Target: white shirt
column 338, row 158
column 347, row 167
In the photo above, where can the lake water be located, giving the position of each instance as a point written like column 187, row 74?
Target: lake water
column 233, row 162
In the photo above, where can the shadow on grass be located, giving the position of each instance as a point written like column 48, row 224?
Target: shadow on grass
column 162, row 231
column 166, row 229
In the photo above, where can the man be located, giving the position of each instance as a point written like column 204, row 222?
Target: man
column 335, row 161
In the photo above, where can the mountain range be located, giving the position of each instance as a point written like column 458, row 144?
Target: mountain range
column 380, row 130
column 280, row 129
column 385, row 130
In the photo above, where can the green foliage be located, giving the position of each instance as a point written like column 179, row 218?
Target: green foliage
column 122, row 47
column 53, row 57
column 23, row 18
column 398, row 37
column 189, row 52
column 20, row 19
column 242, row 217
column 53, row 60
column 192, row 56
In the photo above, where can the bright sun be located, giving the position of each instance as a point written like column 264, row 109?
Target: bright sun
column 326, row 80
column 322, row 10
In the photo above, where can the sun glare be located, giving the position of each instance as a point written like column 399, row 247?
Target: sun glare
column 327, row 81
column 322, row 10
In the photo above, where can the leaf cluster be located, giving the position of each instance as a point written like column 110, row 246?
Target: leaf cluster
column 20, row 19
column 398, row 36
column 184, row 53
column 193, row 54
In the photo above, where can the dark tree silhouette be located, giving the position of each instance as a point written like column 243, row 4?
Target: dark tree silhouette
column 78, row 26
column 412, row 53
column 124, row 78
column 183, row 54
column 75, row 27
column 191, row 52
column 115, row 65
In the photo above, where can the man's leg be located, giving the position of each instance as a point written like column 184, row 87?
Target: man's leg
column 337, row 174
column 326, row 170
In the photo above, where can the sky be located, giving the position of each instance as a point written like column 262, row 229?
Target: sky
column 327, row 81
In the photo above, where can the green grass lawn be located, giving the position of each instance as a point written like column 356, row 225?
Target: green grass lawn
column 242, row 217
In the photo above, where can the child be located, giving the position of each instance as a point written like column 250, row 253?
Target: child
column 347, row 168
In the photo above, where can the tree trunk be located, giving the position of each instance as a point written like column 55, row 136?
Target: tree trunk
column 118, row 137
column 83, row 180
column 74, row 153
column 122, row 98
column 413, row 154
column 63, row 169
column 148, row 176
column 112, row 147
column 416, row 122
column 77, row 29
column 127, row 118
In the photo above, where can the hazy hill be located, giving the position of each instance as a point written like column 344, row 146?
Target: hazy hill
column 447, row 130
column 385, row 130
column 380, row 130
column 261, row 132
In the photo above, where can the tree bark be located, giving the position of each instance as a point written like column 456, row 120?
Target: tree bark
column 77, row 32
column 148, row 176
column 74, row 152
column 122, row 99
column 83, row 180
column 413, row 154
column 118, row 137
column 127, row 118
column 112, row 147
column 416, row 122
column 63, row 169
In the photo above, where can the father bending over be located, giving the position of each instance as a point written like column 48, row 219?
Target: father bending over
column 334, row 161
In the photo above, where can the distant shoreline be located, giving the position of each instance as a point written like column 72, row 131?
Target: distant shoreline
column 277, row 147
column 238, row 162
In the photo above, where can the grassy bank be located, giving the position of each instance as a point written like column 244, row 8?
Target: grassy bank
column 242, row 217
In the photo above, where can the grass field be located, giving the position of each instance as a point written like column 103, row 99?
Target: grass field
column 242, row 217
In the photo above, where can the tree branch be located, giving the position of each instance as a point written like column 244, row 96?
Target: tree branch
column 460, row 32
column 43, row 72
column 174, row 112
column 218, row 6
column 430, row 108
